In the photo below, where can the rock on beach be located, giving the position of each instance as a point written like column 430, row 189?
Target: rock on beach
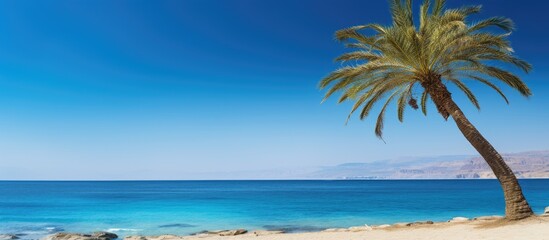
column 8, row 236
column 80, row 236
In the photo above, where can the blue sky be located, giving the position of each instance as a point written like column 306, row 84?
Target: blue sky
column 165, row 89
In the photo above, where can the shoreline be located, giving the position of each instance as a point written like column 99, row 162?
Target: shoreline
column 486, row 227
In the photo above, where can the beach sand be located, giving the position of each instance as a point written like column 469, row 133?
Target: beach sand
column 529, row 229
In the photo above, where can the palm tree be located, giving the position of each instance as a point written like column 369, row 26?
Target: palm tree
column 397, row 62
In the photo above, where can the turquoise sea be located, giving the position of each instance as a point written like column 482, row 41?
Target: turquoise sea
column 36, row 208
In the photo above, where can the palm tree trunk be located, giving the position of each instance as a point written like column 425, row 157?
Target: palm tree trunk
column 516, row 206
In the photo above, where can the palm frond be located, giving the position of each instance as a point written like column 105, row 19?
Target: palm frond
column 424, row 98
column 467, row 92
column 401, row 105
column 358, row 56
column 505, row 24
column 506, row 77
column 381, row 116
column 493, row 86
column 402, row 13
column 438, row 7
column 424, row 15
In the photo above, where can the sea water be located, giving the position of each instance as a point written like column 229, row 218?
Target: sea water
column 36, row 208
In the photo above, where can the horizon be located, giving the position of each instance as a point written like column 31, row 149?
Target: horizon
column 281, row 174
column 159, row 89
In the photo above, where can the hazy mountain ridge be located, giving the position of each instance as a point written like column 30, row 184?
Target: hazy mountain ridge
column 533, row 164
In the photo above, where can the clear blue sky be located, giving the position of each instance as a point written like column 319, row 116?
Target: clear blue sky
column 162, row 89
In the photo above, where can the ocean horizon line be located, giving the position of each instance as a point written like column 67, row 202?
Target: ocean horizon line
column 289, row 179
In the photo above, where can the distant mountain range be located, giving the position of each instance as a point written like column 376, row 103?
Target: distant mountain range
column 534, row 164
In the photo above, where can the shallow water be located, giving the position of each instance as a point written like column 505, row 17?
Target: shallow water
column 36, row 208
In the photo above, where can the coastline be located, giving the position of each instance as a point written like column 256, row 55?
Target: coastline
column 182, row 208
column 487, row 227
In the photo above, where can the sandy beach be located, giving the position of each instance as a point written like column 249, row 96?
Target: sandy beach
column 531, row 228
